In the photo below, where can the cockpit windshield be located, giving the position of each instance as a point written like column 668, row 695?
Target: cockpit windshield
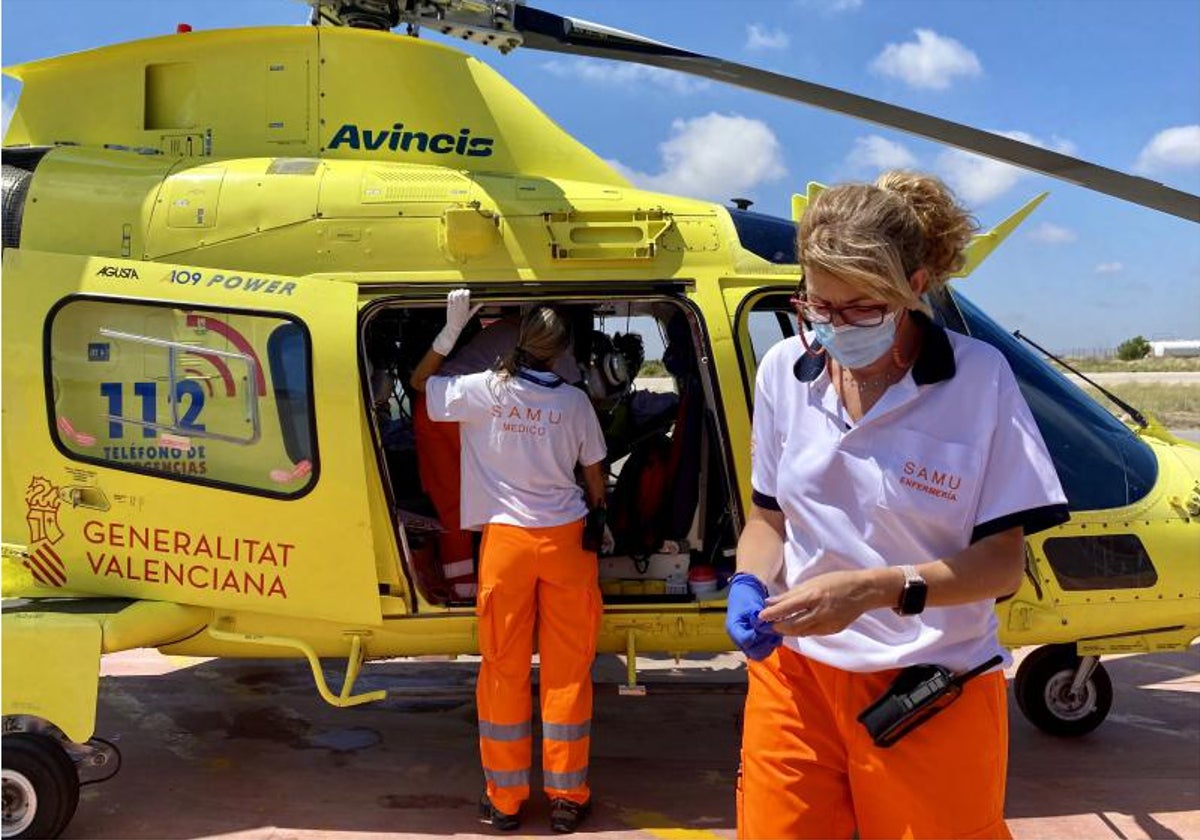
column 1100, row 462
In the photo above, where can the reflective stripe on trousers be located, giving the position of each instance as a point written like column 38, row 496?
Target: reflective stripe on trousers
column 536, row 577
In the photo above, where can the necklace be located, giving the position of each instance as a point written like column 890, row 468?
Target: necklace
column 868, row 383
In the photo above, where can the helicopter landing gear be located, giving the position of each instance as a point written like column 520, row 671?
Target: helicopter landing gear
column 1062, row 693
column 39, row 784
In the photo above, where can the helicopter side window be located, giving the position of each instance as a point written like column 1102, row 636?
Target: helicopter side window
column 1108, row 561
column 287, row 352
column 183, row 393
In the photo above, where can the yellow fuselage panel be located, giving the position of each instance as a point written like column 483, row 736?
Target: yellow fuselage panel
column 153, row 372
column 1160, row 612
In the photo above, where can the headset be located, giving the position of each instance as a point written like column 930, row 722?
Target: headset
column 607, row 374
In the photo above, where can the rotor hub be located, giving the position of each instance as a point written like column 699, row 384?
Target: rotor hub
column 381, row 15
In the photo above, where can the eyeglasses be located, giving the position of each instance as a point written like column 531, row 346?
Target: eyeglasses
column 869, row 315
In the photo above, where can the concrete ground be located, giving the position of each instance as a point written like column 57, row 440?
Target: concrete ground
column 246, row 749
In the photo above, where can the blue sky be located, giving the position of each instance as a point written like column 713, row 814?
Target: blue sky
column 1116, row 83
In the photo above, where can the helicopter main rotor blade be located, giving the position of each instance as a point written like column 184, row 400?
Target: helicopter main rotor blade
column 555, row 33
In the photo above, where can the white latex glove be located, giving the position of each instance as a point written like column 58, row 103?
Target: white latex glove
column 607, row 543
column 458, row 314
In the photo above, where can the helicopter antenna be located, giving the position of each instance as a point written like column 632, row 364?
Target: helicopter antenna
column 1137, row 416
column 507, row 24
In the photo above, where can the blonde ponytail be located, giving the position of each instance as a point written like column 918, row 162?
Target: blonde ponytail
column 545, row 334
column 946, row 227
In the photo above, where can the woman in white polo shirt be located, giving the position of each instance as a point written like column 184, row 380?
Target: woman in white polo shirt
column 523, row 431
column 896, row 469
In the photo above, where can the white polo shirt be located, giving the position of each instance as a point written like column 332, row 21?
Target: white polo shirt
column 521, row 439
column 948, row 455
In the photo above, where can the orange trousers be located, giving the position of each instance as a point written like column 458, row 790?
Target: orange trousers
column 536, row 577
column 439, row 453
column 809, row 768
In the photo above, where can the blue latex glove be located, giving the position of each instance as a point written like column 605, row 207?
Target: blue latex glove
column 747, row 598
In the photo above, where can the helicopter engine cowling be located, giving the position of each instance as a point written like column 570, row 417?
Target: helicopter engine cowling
column 306, row 215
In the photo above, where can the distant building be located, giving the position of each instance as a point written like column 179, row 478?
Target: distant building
column 1189, row 347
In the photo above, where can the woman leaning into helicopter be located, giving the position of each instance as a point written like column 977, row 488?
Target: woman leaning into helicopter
column 524, row 430
column 896, row 469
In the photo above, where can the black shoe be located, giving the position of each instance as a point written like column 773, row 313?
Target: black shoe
column 498, row 819
column 565, row 815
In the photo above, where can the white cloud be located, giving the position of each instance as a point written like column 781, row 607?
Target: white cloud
column 1050, row 234
column 599, row 71
column 1173, row 148
column 1110, row 268
column 762, row 38
column 932, row 61
column 696, row 160
column 978, row 180
column 876, row 154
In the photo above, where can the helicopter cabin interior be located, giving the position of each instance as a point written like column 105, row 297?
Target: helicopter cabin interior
column 669, row 481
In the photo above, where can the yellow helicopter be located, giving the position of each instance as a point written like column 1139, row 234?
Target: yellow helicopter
column 222, row 252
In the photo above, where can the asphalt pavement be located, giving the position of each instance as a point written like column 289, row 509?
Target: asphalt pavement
column 246, row 749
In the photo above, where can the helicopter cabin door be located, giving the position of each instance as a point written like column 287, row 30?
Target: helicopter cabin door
column 184, row 434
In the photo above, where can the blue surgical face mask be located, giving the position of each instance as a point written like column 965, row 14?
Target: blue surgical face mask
column 857, row 347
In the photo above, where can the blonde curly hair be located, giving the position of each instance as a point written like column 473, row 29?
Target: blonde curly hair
column 875, row 236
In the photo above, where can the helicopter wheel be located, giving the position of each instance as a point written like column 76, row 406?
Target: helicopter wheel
column 40, row 786
column 1043, row 690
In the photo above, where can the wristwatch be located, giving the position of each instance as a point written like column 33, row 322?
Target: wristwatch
column 912, row 596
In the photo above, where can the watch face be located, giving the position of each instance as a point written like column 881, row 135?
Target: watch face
column 912, row 600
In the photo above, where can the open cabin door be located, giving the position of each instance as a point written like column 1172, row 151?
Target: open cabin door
column 183, row 434
column 760, row 316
